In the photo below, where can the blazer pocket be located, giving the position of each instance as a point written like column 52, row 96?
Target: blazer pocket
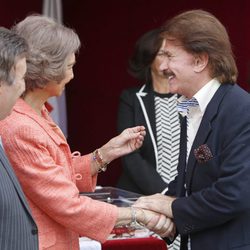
column 211, row 164
column 203, row 154
column 208, row 172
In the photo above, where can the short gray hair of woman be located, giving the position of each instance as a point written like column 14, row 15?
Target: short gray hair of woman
column 50, row 45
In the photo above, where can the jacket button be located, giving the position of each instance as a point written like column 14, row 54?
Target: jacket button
column 34, row 231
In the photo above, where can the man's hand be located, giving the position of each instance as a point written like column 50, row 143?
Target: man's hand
column 156, row 222
column 158, row 203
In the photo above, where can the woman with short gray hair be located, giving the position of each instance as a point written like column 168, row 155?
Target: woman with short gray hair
column 50, row 174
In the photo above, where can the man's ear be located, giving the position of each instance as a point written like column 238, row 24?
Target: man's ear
column 200, row 62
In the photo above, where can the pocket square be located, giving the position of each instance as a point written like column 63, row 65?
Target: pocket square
column 203, row 153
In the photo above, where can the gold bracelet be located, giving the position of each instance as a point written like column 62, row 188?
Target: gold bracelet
column 97, row 157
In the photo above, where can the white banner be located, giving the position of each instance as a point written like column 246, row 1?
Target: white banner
column 53, row 9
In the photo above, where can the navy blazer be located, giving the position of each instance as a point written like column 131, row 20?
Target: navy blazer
column 17, row 227
column 139, row 168
column 216, row 213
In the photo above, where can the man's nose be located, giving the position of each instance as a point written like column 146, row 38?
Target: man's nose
column 164, row 64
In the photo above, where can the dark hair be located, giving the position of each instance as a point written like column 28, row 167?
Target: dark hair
column 12, row 46
column 145, row 51
column 199, row 32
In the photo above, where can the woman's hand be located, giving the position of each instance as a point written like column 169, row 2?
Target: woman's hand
column 126, row 142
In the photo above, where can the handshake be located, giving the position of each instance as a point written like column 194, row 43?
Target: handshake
column 153, row 212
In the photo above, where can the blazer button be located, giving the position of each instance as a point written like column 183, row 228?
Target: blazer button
column 34, row 231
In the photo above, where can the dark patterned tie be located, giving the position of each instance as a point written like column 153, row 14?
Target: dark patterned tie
column 184, row 108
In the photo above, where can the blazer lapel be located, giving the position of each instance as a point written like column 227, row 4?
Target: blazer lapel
column 204, row 130
column 46, row 124
column 146, row 100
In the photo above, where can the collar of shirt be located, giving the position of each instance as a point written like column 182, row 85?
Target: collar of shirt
column 203, row 96
column 206, row 93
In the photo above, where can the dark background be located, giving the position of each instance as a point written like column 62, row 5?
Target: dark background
column 108, row 30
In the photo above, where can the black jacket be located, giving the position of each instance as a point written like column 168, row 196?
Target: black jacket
column 139, row 168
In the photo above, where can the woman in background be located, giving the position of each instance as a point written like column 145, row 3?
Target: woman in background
column 51, row 176
column 149, row 169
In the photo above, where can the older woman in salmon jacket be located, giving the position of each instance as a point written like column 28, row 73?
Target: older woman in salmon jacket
column 51, row 176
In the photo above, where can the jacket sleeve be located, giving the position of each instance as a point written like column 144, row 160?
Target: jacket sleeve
column 140, row 171
column 84, row 180
column 46, row 185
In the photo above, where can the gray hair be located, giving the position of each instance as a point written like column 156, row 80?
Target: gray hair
column 12, row 46
column 50, row 45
